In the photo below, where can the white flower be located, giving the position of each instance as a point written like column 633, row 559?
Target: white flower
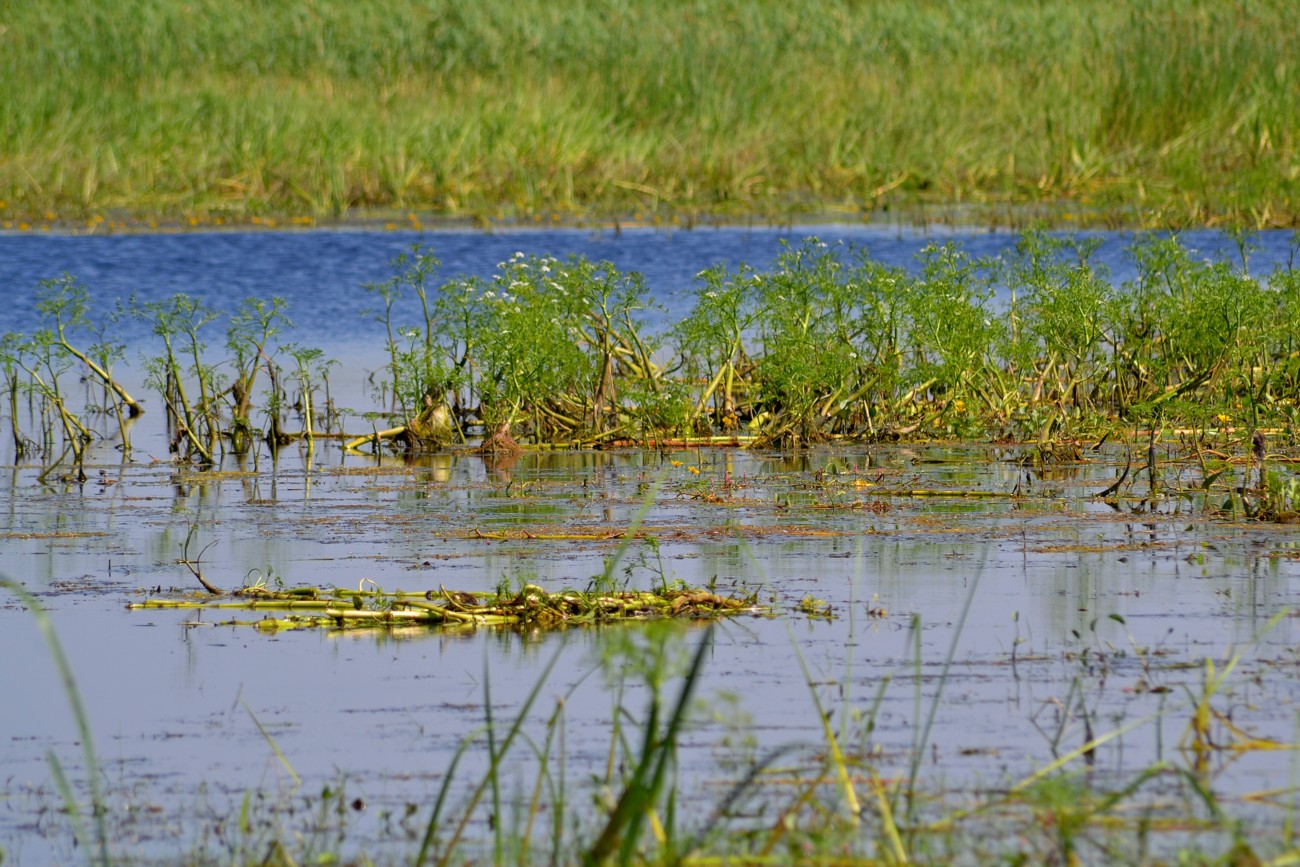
column 489, row 294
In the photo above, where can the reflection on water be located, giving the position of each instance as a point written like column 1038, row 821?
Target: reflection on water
column 1051, row 576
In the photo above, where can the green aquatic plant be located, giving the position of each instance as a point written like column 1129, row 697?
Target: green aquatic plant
column 712, row 336
column 528, row 354
column 827, row 345
column 192, row 421
column 66, row 303
column 46, row 356
column 309, row 363
column 249, row 335
column 952, row 326
column 419, row 377
column 11, row 350
column 1061, row 324
column 44, row 363
column 606, row 306
column 810, row 359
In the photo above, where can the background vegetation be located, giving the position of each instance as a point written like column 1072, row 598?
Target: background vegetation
column 1167, row 113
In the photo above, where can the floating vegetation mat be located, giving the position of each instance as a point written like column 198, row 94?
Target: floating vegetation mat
column 337, row 608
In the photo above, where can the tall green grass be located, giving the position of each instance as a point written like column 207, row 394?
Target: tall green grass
column 1151, row 112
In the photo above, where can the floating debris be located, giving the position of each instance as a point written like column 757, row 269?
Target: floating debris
column 338, row 608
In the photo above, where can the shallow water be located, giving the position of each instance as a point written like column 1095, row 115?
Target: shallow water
column 172, row 696
column 1067, row 596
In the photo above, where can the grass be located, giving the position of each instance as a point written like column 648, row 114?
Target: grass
column 1149, row 113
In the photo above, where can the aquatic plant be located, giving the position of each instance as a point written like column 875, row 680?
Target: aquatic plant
column 827, row 345
column 192, row 423
column 531, row 606
column 249, row 333
column 11, row 348
column 65, row 302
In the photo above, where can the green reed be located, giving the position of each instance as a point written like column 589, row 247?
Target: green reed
column 1165, row 113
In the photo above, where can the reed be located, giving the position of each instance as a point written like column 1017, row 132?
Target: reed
column 1156, row 113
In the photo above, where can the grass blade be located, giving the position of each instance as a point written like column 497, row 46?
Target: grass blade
column 275, row 748
column 623, row 827
column 100, row 848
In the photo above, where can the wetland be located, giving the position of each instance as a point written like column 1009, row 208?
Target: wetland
column 1010, row 526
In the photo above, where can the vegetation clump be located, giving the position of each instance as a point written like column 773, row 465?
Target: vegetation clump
column 827, row 345
column 530, row 607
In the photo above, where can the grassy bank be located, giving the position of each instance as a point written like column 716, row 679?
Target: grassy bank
column 1156, row 113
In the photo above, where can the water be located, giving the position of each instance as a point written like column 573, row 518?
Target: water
column 320, row 273
column 1067, row 596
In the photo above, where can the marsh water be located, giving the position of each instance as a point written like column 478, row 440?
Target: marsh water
column 964, row 578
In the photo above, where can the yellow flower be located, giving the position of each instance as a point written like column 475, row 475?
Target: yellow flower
column 1224, row 418
column 695, row 470
column 675, row 463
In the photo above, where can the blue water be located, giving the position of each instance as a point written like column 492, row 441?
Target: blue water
column 321, row 273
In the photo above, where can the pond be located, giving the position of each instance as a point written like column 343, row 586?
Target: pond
column 963, row 615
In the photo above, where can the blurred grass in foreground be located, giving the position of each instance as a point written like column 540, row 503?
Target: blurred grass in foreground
column 1156, row 113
